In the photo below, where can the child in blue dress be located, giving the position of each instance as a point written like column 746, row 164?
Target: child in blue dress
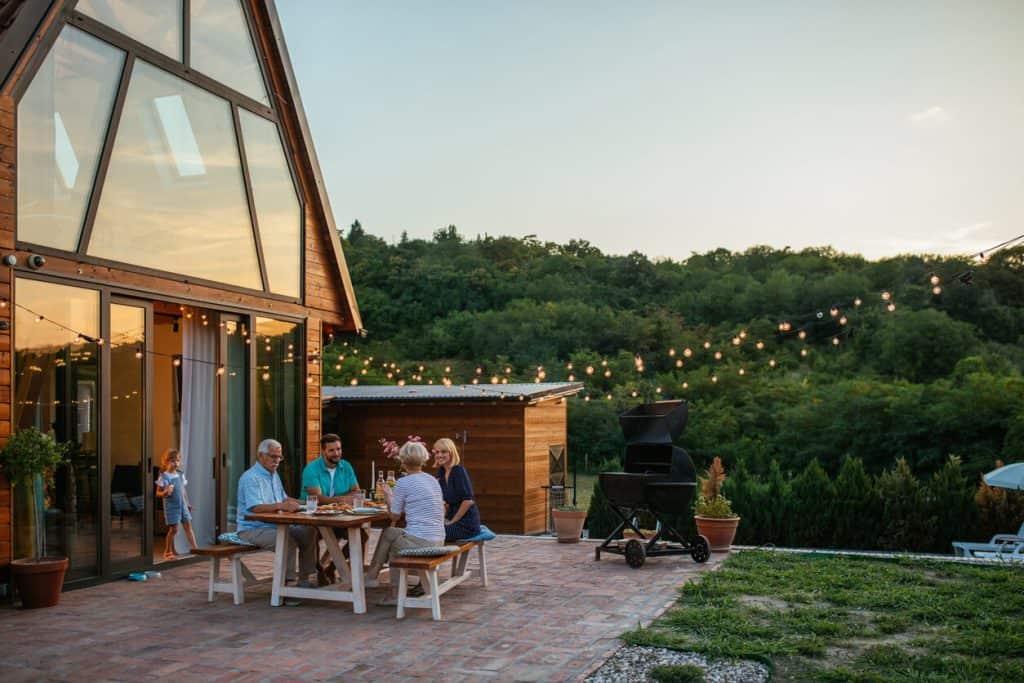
column 171, row 487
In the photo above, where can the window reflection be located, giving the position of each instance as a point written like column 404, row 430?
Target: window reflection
column 56, row 391
column 156, row 23
column 62, row 120
column 222, row 47
column 127, row 431
column 174, row 198
column 278, row 212
column 280, row 393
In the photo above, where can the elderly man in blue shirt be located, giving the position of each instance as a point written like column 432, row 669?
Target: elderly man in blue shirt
column 260, row 490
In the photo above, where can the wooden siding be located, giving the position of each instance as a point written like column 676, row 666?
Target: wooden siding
column 493, row 453
column 545, row 426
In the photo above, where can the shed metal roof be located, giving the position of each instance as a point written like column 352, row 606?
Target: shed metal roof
column 456, row 393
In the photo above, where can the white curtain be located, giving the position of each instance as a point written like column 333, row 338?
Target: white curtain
column 198, row 413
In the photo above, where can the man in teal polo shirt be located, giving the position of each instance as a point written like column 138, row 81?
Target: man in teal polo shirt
column 329, row 477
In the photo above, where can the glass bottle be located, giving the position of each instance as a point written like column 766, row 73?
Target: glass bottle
column 391, row 479
column 380, row 485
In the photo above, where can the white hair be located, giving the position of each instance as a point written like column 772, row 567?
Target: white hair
column 413, row 453
column 266, row 445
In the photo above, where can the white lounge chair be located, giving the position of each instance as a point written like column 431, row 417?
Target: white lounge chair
column 1004, row 546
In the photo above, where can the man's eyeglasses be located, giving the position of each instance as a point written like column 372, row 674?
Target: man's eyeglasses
column 272, row 457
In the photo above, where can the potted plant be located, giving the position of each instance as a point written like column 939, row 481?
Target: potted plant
column 713, row 511
column 29, row 457
column 569, row 521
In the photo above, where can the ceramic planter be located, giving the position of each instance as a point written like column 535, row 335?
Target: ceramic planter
column 569, row 524
column 720, row 532
column 39, row 582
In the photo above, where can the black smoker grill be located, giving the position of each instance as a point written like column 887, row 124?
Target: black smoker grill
column 659, row 479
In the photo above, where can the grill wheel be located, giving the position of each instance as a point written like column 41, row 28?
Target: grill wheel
column 700, row 549
column 635, row 555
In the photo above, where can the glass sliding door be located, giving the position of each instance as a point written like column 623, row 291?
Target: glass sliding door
column 56, row 390
column 234, row 416
column 281, row 394
column 130, row 488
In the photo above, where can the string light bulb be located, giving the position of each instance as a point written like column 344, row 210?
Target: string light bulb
column 891, row 307
column 138, row 353
column 679, row 363
column 221, row 370
column 714, row 379
column 590, row 369
column 176, row 362
column 759, row 345
column 935, row 279
column 671, row 353
column 742, row 372
column 718, row 355
column 803, row 334
column 771, row 363
column 843, row 320
column 835, row 341
column 857, row 301
column 833, row 311
column 886, row 296
column 687, row 352
column 707, row 345
column 936, row 290
column 803, row 352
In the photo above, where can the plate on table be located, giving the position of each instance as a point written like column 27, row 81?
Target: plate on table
column 327, row 513
column 365, row 511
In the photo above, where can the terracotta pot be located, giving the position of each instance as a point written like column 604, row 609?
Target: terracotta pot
column 569, row 524
column 720, row 532
column 39, row 582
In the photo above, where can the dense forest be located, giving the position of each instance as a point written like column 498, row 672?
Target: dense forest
column 789, row 359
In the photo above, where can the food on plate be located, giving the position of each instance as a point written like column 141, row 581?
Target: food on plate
column 336, row 507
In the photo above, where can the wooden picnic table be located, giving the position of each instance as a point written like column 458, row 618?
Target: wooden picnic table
column 352, row 570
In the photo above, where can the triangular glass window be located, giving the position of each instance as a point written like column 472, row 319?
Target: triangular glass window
column 62, row 120
column 222, row 48
column 174, row 199
column 278, row 212
column 156, row 23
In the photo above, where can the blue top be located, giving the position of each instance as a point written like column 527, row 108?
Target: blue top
column 316, row 474
column 455, row 490
column 257, row 486
column 177, row 498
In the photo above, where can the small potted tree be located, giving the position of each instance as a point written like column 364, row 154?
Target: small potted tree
column 713, row 511
column 29, row 456
column 569, row 521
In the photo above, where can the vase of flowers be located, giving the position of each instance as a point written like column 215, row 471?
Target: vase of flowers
column 713, row 511
column 29, row 458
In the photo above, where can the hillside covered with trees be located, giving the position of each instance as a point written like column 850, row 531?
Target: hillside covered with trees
column 792, row 361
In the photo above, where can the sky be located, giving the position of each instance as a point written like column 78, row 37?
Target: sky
column 671, row 128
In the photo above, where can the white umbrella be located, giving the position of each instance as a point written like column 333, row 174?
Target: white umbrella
column 1007, row 477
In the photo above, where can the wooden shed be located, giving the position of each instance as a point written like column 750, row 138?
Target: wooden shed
column 510, row 436
column 171, row 265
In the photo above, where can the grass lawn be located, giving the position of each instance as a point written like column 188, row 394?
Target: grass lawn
column 832, row 618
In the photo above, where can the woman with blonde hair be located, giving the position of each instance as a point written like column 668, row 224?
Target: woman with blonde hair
column 418, row 496
column 462, row 516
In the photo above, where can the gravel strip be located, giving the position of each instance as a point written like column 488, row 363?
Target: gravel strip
column 632, row 662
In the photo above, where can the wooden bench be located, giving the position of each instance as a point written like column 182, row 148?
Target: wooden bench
column 240, row 574
column 426, row 568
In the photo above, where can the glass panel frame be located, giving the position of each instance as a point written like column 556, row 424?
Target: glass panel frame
column 54, row 113
column 124, row 16
column 59, row 391
column 153, row 174
column 279, row 368
column 218, row 50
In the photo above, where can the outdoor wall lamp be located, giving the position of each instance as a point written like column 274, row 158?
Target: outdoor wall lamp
column 35, row 261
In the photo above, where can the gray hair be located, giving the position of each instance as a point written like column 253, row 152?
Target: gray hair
column 266, row 445
column 413, row 453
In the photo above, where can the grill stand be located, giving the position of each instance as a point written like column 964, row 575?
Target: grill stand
column 636, row 552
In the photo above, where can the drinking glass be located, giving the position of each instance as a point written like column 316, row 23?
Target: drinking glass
column 358, row 498
column 311, row 502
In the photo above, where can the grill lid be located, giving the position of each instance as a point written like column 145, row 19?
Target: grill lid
column 660, row 422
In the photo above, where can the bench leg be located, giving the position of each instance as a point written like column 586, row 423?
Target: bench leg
column 402, row 590
column 237, row 582
column 214, row 575
column 483, row 564
column 435, row 597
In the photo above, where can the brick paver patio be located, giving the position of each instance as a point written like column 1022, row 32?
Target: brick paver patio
column 551, row 613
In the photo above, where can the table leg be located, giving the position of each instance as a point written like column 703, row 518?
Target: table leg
column 334, row 549
column 280, row 558
column 355, row 552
